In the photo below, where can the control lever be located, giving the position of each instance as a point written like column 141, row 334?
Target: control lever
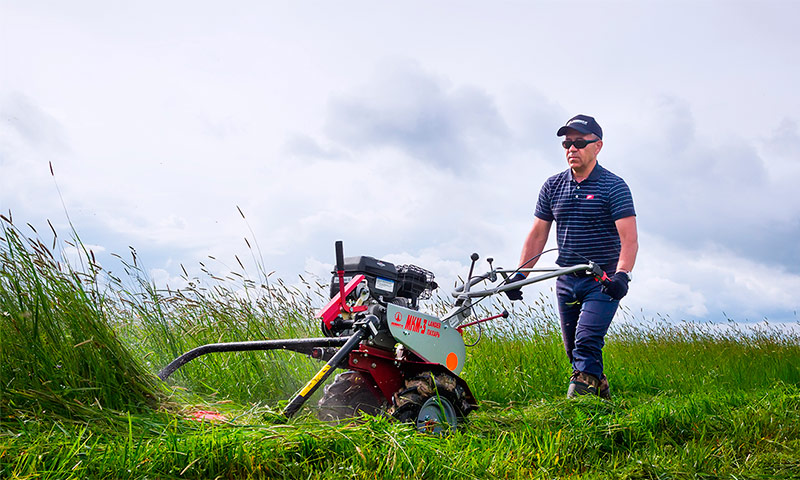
column 340, row 274
column 474, row 257
column 599, row 274
column 492, row 273
column 463, row 300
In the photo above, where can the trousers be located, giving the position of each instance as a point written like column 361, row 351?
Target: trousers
column 586, row 313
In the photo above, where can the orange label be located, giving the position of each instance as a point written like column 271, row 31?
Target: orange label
column 452, row 361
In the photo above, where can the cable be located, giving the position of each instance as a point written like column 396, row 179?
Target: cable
column 480, row 335
column 505, row 282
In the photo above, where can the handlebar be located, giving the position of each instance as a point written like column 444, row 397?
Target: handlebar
column 546, row 273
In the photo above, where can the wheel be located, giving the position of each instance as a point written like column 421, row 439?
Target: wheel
column 348, row 396
column 434, row 404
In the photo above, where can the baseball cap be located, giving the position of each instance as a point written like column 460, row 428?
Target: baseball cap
column 583, row 124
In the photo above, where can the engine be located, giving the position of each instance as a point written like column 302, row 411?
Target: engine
column 402, row 285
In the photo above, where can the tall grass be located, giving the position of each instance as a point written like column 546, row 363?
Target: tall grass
column 59, row 355
column 79, row 349
column 166, row 324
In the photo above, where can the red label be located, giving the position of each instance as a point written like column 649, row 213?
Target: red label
column 589, row 197
column 420, row 325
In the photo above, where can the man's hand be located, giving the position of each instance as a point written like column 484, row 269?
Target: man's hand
column 617, row 286
column 515, row 293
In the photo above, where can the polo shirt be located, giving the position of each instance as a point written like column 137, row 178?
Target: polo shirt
column 585, row 213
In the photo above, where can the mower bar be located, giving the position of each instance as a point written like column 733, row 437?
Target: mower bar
column 313, row 347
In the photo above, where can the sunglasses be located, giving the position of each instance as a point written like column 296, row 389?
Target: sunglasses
column 579, row 143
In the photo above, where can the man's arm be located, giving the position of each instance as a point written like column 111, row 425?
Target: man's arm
column 629, row 243
column 534, row 242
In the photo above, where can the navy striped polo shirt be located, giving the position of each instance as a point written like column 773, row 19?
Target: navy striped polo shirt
column 585, row 214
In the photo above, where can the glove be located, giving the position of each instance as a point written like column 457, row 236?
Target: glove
column 515, row 293
column 617, row 286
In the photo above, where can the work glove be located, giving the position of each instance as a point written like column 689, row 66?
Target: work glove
column 617, row 286
column 515, row 293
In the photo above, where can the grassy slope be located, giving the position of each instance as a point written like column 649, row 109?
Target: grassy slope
column 79, row 399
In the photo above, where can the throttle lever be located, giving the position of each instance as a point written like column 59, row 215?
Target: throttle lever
column 463, row 297
column 599, row 274
column 474, row 257
column 492, row 273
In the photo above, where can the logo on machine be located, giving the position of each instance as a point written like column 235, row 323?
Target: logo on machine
column 422, row 325
column 398, row 320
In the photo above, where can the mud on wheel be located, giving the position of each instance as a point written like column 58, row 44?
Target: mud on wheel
column 433, row 403
column 348, row 396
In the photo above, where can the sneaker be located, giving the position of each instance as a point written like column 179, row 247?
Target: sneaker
column 582, row 384
column 604, row 390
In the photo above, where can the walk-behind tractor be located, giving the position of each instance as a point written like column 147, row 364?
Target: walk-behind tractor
column 397, row 359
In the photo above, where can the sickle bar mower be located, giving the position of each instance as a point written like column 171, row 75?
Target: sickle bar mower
column 396, row 359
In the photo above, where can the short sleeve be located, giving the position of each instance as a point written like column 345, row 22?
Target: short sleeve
column 621, row 201
column 544, row 208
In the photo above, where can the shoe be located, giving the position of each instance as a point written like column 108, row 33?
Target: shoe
column 604, row 390
column 582, row 384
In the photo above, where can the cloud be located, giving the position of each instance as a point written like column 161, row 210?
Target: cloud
column 36, row 127
column 782, row 148
column 423, row 161
column 712, row 283
column 534, row 119
column 305, row 147
column 30, row 139
column 405, row 108
column 699, row 192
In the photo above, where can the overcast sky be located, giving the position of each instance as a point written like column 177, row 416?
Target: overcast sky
column 417, row 132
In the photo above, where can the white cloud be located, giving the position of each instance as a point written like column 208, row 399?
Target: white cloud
column 413, row 138
column 165, row 279
column 713, row 283
column 668, row 296
column 406, row 108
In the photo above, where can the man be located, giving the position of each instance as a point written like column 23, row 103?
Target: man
column 595, row 220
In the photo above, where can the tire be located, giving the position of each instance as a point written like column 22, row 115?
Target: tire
column 349, row 396
column 434, row 404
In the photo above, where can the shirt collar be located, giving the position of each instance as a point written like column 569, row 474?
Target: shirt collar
column 595, row 174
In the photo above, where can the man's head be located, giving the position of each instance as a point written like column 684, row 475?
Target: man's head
column 583, row 139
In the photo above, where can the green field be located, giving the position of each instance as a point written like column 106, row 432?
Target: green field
column 79, row 348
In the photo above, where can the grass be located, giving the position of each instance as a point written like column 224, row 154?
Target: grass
column 79, row 348
column 59, row 354
column 743, row 435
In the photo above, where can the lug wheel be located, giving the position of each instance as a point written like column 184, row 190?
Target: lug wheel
column 349, row 396
column 437, row 416
column 434, row 404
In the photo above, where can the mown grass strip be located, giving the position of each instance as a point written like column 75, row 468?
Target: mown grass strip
column 697, row 435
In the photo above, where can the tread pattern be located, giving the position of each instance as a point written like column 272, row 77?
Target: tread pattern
column 406, row 403
column 347, row 397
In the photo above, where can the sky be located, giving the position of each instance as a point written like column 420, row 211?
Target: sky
column 416, row 132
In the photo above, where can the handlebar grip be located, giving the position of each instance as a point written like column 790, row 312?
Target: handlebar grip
column 600, row 274
column 339, row 256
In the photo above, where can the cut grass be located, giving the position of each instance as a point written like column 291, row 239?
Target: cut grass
column 744, row 435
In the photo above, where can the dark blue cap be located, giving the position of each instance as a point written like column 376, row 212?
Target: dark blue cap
column 583, row 124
